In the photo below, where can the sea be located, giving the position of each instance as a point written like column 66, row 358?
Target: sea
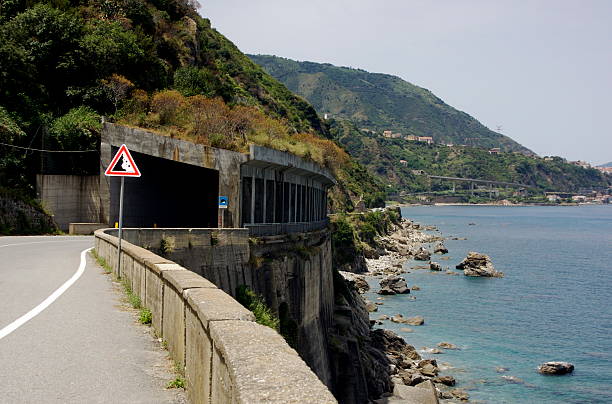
column 554, row 303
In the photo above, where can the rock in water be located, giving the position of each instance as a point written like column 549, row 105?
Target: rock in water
column 392, row 285
column 416, row 320
column 447, row 345
column 422, row 255
column 434, row 266
column 556, row 368
column 477, row 264
column 440, row 249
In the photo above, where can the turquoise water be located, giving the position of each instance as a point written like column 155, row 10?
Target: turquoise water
column 555, row 302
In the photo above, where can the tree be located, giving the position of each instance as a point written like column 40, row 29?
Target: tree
column 117, row 87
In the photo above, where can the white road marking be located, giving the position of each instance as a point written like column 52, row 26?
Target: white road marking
column 36, row 242
column 48, row 301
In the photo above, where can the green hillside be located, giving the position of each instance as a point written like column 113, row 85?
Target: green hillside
column 63, row 63
column 382, row 102
column 399, row 163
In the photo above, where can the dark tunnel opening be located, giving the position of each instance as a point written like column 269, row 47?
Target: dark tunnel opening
column 168, row 194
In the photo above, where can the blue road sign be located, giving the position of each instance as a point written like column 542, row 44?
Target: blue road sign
column 223, row 202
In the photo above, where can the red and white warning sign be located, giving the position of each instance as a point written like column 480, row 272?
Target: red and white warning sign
column 122, row 165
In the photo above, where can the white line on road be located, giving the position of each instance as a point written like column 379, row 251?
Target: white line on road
column 36, row 242
column 47, row 302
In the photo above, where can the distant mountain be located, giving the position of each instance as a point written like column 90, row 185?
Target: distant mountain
column 382, row 102
column 606, row 165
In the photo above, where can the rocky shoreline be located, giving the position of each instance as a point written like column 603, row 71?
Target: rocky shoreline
column 412, row 377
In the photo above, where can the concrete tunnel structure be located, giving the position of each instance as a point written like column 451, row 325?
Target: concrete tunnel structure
column 268, row 191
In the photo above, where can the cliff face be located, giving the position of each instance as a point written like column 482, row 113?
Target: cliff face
column 294, row 274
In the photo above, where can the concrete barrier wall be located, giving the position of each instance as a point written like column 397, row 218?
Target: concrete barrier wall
column 227, row 357
column 70, row 198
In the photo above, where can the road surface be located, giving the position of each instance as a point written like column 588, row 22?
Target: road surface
column 83, row 347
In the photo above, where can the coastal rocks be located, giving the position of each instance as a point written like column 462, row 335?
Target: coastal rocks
column 416, row 320
column 434, row 266
column 477, row 264
column 406, row 329
column 371, row 307
column 415, row 287
column 447, row 345
column 440, row 249
column 445, row 380
column 357, row 282
column 392, row 285
column 422, row 254
column 501, row 369
column 433, row 351
column 556, row 368
column 428, row 367
column 394, row 346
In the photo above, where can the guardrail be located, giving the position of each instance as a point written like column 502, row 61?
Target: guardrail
column 227, row 357
column 273, row 229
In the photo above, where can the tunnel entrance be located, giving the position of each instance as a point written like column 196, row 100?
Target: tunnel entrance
column 169, row 194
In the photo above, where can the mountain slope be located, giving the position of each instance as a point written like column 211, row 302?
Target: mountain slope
column 65, row 63
column 382, row 102
column 401, row 163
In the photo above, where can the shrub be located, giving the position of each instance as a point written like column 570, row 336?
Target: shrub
column 167, row 104
column 263, row 314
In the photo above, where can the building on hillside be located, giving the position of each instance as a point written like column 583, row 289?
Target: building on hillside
column 426, row 139
column 396, row 135
column 495, row 150
column 580, row 163
column 605, row 170
column 387, row 133
column 404, row 163
column 411, row 138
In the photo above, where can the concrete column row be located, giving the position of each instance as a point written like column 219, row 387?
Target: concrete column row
column 270, row 201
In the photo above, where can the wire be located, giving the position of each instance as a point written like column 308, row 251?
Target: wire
column 48, row 151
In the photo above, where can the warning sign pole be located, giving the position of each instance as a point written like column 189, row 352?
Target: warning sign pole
column 120, row 227
column 122, row 165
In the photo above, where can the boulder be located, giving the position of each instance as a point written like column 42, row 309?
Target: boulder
column 440, row 249
column 422, row 255
column 445, row 380
column 415, row 287
column 393, row 285
column 434, row 266
column 371, row 307
column 477, row 264
column 556, row 368
column 447, row 345
column 416, row 320
column 406, row 329
column 459, row 394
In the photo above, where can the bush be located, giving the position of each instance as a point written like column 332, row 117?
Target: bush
column 167, row 104
column 263, row 314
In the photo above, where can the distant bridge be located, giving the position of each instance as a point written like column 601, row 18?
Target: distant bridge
column 475, row 180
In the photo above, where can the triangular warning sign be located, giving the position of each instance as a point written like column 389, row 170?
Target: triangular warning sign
column 122, row 165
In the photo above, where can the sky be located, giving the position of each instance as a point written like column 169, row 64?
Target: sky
column 540, row 69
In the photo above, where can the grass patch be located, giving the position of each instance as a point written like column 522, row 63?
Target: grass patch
column 145, row 316
column 132, row 299
column 102, row 262
column 263, row 314
column 177, row 383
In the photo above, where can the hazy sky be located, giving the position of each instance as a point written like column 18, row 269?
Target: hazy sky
column 541, row 69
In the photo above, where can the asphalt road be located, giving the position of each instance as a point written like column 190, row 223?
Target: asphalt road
column 84, row 347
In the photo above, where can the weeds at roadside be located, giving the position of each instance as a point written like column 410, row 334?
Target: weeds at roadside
column 178, row 383
column 145, row 316
column 101, row 261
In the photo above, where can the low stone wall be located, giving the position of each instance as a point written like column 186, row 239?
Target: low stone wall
column 227, row 357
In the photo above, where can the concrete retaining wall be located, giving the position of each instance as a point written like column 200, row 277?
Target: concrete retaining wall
column 227, row 357
column 70, row 198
